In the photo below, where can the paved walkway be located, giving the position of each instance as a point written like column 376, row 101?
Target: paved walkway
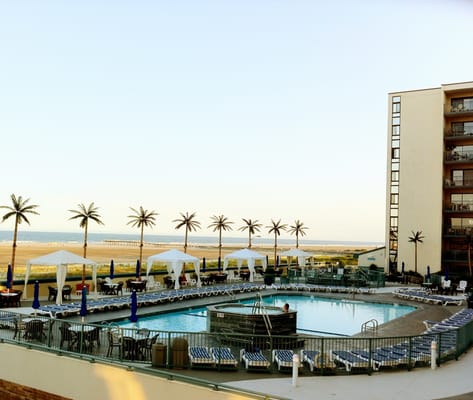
column 451, row 380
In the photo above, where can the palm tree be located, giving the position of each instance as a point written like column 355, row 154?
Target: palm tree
column 84, row 214
column 190, row 224
column 220, row 223
column 297, row 229
column 416, row 238
column 276, row 228
column 140, row 219
column 19, row 209
column 252, row 226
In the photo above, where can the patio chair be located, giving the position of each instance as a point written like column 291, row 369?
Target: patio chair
column 52, row 293
column 67, row 336
column 34, row 330
column 462, row 286
column 113, row 340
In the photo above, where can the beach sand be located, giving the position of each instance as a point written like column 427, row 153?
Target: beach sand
column 102, row 253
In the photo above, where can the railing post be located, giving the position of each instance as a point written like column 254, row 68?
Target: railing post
column 295, row 369
column 433, row 354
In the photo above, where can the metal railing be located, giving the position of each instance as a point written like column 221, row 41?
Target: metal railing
column 168, row 349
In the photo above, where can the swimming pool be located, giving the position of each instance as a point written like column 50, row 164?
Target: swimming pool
column 317, row 315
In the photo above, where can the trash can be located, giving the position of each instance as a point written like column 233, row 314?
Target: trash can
column 180, row 356
column 158, row 355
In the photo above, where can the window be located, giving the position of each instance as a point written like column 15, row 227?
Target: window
column 396, row 130
column 462, row 128
column 395, row 153
column 462, row 104
column 394, row 176
column 396, row 108
column 394, row 199
column 396, row 120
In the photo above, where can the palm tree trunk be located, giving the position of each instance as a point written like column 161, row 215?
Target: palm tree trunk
column 249, row 239
column 141, row 245
column 84, row 253
column 220, row 243
column 297, row 240
column 185, row 241
column 275, row 249
column 415, row 258
column 13, row 252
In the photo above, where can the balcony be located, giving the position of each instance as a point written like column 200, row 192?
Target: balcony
column 458, row 184
column 459, row 208
column 458, row 135
column 458, row 157
column 459, row 110
column 457, row 232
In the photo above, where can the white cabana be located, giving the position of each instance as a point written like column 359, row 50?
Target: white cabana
column 174, row 260
column 300, row 254
column 247, row 255
column 61, row 259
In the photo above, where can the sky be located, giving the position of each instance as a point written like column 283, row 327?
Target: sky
column 257, row 109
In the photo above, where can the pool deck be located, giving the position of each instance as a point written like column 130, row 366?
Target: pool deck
column 452, row 380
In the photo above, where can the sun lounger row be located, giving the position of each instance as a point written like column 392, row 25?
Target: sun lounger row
column 147, row 299
column 309, row 287
column 426, row 297
column 202, row 356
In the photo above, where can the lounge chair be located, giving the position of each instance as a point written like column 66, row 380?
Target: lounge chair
column 254, row 359
column 309, row 357
column 349, row 359
column 200, row 356
column 223, row 356
column 283, row 358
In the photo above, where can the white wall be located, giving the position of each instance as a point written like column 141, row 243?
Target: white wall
column 78, row 379
column 420, row 185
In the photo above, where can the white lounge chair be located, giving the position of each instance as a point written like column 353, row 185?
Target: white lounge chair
column 462, row 286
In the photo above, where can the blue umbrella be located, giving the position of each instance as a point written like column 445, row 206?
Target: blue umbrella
column 134, row 307
column 112, row 270
column 203, row 264
column 35, row 304
column 446, row 273
column 138, row 269
column 402, row 267
column 9, row 277
column 83, row 303
column 428, row 273
column 219, row 261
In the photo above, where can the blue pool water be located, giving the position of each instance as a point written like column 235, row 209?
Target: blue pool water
column 314, row 315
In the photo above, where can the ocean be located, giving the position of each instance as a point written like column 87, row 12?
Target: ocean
column 78, row 237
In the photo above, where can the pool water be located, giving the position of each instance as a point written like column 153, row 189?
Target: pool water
column 315, row 315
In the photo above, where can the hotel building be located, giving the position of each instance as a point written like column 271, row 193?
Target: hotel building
column 430, row 178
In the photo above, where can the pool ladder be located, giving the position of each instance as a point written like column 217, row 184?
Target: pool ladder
column 370, row 326
column 258, row 307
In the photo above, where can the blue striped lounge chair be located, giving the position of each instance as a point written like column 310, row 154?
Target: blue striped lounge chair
column 254, row 359
column 223, row 356
column 349, row 359
column 200, row 356
column 283, row 358
column 309, row 357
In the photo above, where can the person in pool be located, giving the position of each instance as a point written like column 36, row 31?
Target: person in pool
column 285, row 308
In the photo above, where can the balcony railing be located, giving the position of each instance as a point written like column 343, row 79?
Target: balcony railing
column 459, row 207
column 459, row 133
column 460, row 156
column 458, row 231
column 459, row 183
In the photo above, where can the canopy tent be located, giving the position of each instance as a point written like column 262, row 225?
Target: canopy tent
column 247, row 255
column 300, row 254
column 174, row 260
column 61, row 259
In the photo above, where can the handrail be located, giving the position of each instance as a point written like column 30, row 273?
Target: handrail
column 258, row 306
column 370, row 326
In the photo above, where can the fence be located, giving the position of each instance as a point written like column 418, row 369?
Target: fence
column 230, row 350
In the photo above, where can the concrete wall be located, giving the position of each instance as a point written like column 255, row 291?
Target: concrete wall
column 78, row 379
column 421, row 177
column 375, row 257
